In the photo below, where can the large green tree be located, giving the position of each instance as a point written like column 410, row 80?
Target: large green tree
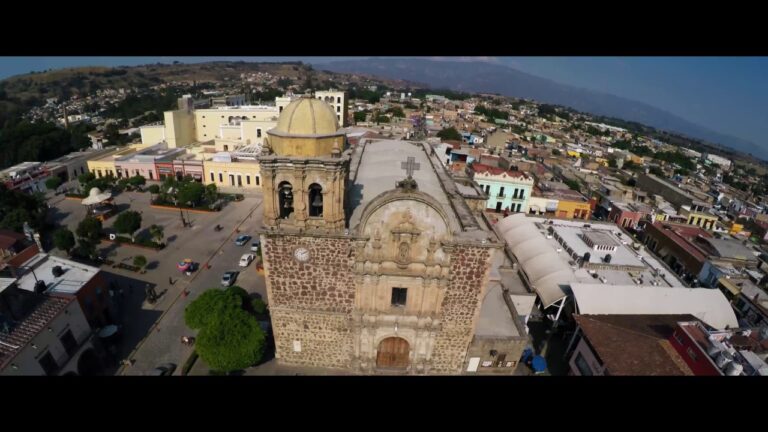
column 230, row 338
column 53, row 182
column 89, row 229
column 64, row 239
column 449, row 134
column 128, row 223
column 191, row 193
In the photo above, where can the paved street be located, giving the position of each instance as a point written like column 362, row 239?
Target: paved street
column 152, row 333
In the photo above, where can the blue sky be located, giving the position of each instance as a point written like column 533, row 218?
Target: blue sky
column 727, row 94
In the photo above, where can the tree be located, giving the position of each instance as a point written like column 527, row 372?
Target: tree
column 137, row 180
column 154, row 189
column 14, row 220
column 53, row 183
column 89, row 229
column 656, row 171
column 157, row 233
column 396, row 112
column 209, row 305
column 211, row 193
column 86, row 178
column 232, row 341
column 230, row 338
column 64, row 239
column 556, row 152
column 128, row 223
column 191, row 193
column 360, row 116
column 140, row 261
column 612, row 163
column 449, row 134
column 258, row 305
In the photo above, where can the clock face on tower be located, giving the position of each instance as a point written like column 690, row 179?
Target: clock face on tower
column 301, row 254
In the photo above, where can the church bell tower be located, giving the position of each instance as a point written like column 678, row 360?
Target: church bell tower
column 305, row 169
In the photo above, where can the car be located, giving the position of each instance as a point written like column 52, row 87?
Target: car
column 246, row 259
column 165, row 369
column 242, row 239
column 255, row 246
column 228, row 278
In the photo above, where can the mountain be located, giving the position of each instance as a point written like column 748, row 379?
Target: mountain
column 493, row 78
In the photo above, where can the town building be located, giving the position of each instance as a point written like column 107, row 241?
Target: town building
column 44, row 334
column 506, row 189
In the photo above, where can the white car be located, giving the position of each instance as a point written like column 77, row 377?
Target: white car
column 246, row 259
column 255, row 246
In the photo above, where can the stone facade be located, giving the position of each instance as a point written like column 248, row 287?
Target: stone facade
column 311, row 302
column 461, row 306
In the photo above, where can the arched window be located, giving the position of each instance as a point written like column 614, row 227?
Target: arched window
column 315, row 200
column 285, row 199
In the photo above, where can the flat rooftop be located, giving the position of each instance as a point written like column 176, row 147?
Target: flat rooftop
column 627, row 266
column 40, row 267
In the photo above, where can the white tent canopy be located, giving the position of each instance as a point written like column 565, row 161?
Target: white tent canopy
column 96, row 196
column 708, row 305
column 539, row 260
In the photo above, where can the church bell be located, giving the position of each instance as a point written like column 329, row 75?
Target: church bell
column 317, row 202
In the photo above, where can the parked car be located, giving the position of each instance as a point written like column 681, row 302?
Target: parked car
column 246, row 259
column 229, row 278
column 255, row 246
column 242, row 239
column 165, row 369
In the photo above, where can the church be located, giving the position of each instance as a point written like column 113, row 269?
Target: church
column 376, row 260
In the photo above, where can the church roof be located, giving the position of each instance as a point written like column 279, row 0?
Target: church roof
column 380, row 168
column 306, row 117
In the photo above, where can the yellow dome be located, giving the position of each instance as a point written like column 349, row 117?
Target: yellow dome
column 307, row 117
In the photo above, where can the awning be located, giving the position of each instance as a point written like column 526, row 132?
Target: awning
column 551, row 206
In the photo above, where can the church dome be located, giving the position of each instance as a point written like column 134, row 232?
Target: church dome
column 307, row 116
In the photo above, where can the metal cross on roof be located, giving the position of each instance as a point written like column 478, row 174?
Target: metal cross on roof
column 410, row 165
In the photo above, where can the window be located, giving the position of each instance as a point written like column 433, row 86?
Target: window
column 247, row 179
column 338, row 109
column 678, row 337
column 501, row 192
column 48, row 364
column 221, row 178
column 399, row 296
column 338, row 117
column 692, row 354
column 258, row 133
column 582, row 365
column 257, row 180
column 213, row 179
column 338, row 100
column 69, row 342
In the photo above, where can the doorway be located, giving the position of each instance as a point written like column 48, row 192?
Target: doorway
column 393, row 353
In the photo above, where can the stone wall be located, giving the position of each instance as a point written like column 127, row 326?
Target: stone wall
column 310, row 303
column 312, row 339
column 324, row 283
column 512, row 348
column 470, row 266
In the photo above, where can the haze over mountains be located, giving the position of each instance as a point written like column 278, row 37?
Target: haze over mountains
column 494, row 78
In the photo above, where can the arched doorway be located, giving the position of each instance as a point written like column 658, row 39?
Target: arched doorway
column 89, row 364
column 393, row 353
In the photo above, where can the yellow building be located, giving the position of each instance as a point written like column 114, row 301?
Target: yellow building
column 704, row 220
column 573, row 209
column 232, row 173
column 104, row 165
